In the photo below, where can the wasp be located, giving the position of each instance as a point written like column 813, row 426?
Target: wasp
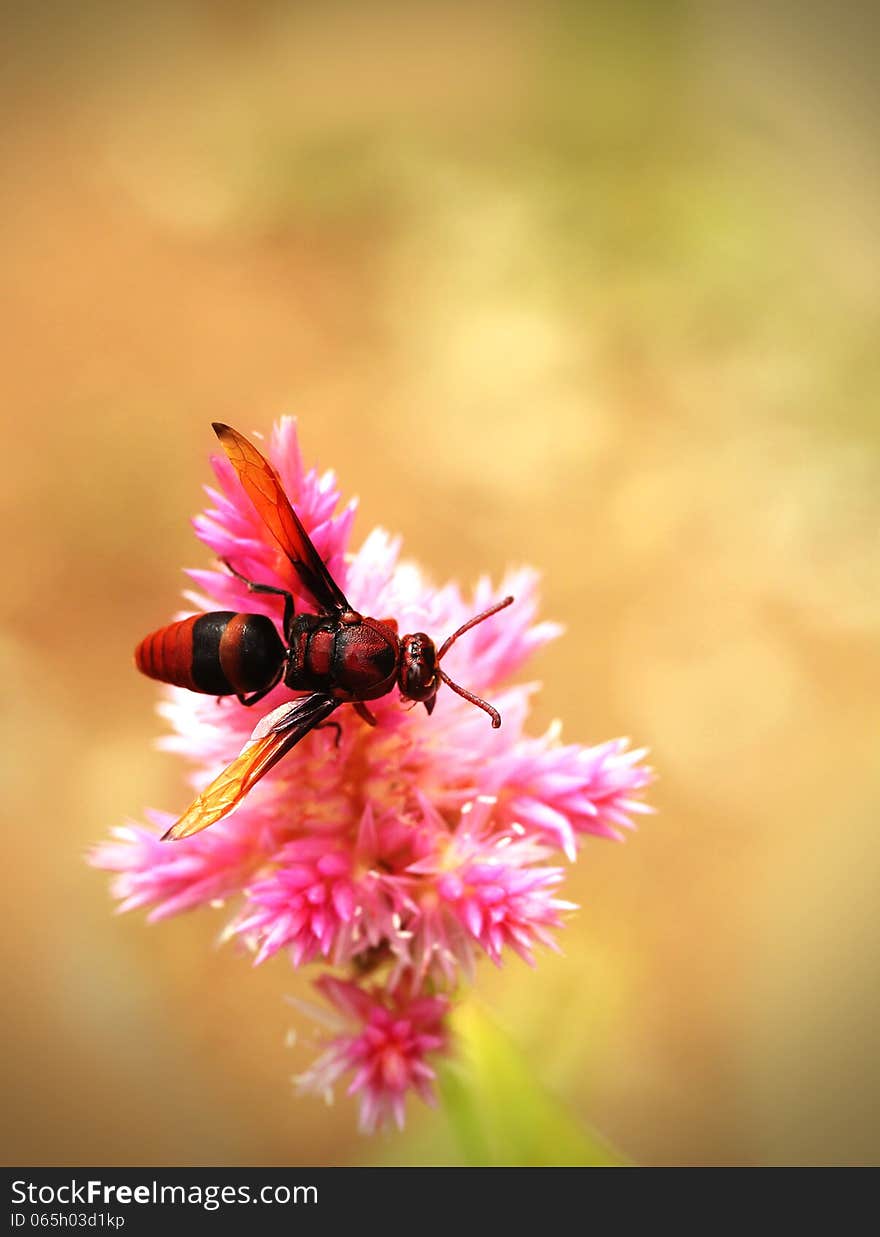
column 336, row 655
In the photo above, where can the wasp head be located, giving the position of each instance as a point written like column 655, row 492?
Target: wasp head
column 420, row 674
column 418, row 677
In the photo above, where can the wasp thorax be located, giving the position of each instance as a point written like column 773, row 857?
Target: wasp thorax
column 418, row 667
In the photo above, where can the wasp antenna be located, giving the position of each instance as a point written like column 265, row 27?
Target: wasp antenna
column 447, row 644
column 481, row 704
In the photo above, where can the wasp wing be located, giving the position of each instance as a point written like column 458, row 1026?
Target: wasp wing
column 273, row 738
column 262, row 486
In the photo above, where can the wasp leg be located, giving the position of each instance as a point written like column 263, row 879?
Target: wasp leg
column 362, row 711
column 267, row 588
column 247, row 701
column 336, row 726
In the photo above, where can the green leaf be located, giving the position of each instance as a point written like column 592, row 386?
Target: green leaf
column 499, row 1111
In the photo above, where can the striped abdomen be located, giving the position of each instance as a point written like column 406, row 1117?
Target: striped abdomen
column 219, row 653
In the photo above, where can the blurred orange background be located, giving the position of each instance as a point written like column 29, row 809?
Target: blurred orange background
column 590, row 286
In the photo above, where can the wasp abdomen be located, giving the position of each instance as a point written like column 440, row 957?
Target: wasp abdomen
column 220, row 653
column 167, row 654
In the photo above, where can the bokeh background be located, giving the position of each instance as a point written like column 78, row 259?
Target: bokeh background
column 591, row 286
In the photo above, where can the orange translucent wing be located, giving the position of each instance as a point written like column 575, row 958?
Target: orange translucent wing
column 273, row 738
column 262, row 486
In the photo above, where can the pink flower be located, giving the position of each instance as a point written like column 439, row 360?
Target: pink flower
column 171, row 880
column 560, row 792
column 328, row 894
column 406, row 850
column 304, row 902
column 385, row 1045
column 487, row 886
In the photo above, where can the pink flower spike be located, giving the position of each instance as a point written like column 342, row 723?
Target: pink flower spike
column 208, row 870
column 304, row 903
column 560, row 792
column 405, row 851
column 490, row 882
column 384, row 1048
